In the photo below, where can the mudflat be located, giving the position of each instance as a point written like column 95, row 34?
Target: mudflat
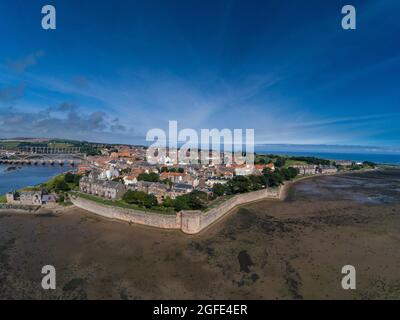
column 294, row 249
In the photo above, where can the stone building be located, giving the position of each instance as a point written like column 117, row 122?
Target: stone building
column 306, row 169
column 158, row 189
column 213, row 180
column 327, row 169
column 344, row 163
column 102, row 188
column 162, row 190
column 30, row 198
column 180, row 189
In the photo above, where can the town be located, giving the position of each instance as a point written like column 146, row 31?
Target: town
column 122, row 175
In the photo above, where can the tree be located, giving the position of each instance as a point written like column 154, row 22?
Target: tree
column 129, row 197
column 218, row 189
column 61, row 186
column 69, row 177
column 369, row 163
column 134, row 197
column 151, row 177
column 238, row 184
column 150, row 200
column 181, row 203
column 168, row 202
column 197, row 200
column 273, row 179
column 280, row 162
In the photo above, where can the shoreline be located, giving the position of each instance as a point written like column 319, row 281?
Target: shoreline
column 286, row 187
column 283, row 192
column 194, row 217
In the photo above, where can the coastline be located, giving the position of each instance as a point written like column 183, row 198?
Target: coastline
column 190, row 222
column 287, row 186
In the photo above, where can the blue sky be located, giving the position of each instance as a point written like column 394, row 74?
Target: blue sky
column 112, row 70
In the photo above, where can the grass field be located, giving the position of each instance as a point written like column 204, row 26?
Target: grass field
column 289, row 163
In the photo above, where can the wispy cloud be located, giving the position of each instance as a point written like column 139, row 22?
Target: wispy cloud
column 8, row 95
column 65, row 120
column 20, row 65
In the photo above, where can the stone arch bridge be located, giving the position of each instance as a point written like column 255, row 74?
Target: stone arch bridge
column 42, row 159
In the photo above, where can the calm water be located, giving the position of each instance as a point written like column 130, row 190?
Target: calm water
column 374, row 157
column 27, row 176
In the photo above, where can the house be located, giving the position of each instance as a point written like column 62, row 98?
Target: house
column 83, row 168
column 175, row 177
column 327, row 169
column 260, row 167
column 102, row 188
column 179, row 189
column 244, row 170
column 30, row 198
column 133, row 177
column 214, row 180
column 159, row 190
column 344, row 163
column 305, row 169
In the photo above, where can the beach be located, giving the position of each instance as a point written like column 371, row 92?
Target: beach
column 292, row 249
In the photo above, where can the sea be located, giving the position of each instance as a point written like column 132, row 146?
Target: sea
column 384, row 158
column 23, row 176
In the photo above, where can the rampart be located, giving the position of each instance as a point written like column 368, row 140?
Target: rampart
column 18, row 207
column 165, row 221
column 193, row 222
column 190, row 222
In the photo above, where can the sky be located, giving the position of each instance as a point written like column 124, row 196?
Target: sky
column 112, row 70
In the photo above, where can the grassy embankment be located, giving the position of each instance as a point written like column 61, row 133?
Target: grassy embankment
column 122, row 204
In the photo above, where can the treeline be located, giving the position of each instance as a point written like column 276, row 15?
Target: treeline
column 311, row 160
column 196, row 200
column 140, row 198
column 279, row 161
column 242, row 184
column 178, row 170
column 62, row 183
column 150, row 177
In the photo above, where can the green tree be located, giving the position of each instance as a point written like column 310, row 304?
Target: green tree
column 168, row 202
column 134, row 197
column 280, row 162
column 61, row 186
column 238, row 184
column 69, row 177
column 218, row 189
column 151, row 177
column 150, row 200
column 181, row 203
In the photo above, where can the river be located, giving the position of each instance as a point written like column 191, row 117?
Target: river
column 24, row 176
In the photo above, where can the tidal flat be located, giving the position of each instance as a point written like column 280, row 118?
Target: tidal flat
column 292, row 249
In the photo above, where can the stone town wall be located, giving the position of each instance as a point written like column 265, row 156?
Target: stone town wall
column 190, row 222
column 18, row 207
column 164, row 221
column 195, row 221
